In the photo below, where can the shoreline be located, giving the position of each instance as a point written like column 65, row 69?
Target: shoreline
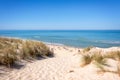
column 57, row 44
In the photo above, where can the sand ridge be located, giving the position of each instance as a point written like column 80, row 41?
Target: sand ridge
column 64, row 66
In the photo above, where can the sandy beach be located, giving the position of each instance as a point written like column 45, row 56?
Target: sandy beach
column 65, row 65
column 59, row 39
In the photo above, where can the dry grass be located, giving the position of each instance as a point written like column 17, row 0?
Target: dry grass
column 86, row 59
column 12, row 50
column 100, row 61
column 98, row 58
column 113, row 55
column 87, row 49
column 106, row 70
column 95, row 58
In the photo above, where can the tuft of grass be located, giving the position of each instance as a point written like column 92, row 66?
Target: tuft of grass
column 12, row 50
column 8, row 56
column 100, row 62
column 86, row 59
column 113, row 55
column 97, row 59
column 87, row 49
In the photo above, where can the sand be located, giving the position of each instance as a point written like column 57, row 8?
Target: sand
column 65, row 65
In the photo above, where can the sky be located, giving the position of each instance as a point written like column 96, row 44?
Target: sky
column 59, row 14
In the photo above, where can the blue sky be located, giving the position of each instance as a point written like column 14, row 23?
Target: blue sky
column 59, row 14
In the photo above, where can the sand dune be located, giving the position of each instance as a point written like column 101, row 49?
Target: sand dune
column 64, row 66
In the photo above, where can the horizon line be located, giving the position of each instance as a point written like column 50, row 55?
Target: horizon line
column 58, row 29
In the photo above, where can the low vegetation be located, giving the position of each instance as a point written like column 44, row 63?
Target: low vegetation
column 86, row 59
column 12, row 50
column 100, row 61
column 113, row 55
column 87, row 49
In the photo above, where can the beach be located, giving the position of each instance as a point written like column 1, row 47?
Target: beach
column 65, row 65
column 59, row 39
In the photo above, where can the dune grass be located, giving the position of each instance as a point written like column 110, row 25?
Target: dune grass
column 12, row 50
column 99, row 58
column 113, row 55
column 100, row 61
column 87, row 49
column 95, row 58
column 86, row 59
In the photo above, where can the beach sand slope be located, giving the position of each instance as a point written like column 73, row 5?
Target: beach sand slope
column 64, row 66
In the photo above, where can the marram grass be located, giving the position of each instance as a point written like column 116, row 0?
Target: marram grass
column 87, row 49
column 100, row 61
column 86, row 59
column 12, row 50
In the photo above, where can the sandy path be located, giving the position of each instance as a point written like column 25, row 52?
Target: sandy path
column 64, row 66
column 55, row 68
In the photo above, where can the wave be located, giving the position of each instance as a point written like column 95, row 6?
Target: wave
column 53, row 43
column 109, row 42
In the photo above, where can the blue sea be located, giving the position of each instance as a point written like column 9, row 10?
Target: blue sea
column 75, row 38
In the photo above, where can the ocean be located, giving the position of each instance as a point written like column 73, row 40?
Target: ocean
column 75, row 38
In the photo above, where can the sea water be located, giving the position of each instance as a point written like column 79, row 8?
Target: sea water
column 75, row 38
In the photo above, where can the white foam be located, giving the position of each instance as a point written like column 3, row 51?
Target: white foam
column 53, row 43
column 109, row 42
